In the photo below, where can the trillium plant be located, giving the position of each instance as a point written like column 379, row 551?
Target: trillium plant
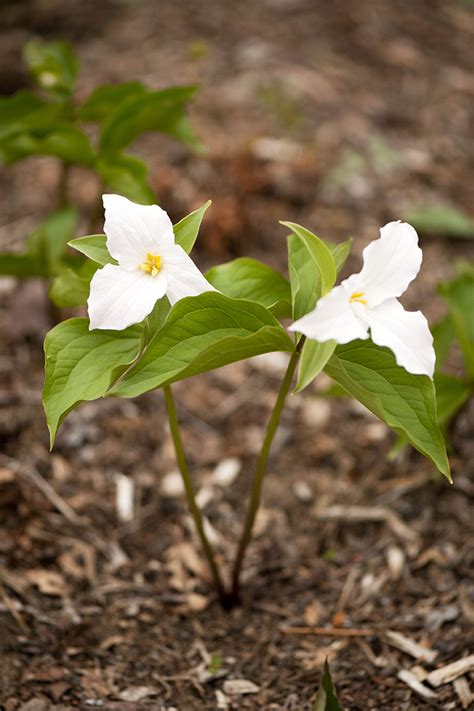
column 154, row 319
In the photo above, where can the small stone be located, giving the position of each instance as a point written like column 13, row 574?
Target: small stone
column 302, row 491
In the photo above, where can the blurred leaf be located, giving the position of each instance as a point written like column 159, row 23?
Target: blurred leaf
column 441, row 219
column 459, row 295
column 246, row 278
column 405, row 402
column 94, row 247
column 24, row 111
column 105, row 99
column 21, row 265
column 53, row 65
column 71, row 287
column 443, row 337
column 149, row 111
column 187, row 229
column 127, row 176
column 451, row 394
column 48, row 241
column 326, row 699
column 64, row 141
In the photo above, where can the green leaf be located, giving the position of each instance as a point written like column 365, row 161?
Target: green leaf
column 202, row 333
column 321, row 255
column 459, row 295
column 303, row 278
column 405, row 402
column 94, row 247
column 105, row 99
column 246, row 278
column 150, row 111
column 24, row 111
column 63, row 141
column 326, row 699
column 48, row 241
column 21, row 265
column 451, row 394
column 187, row 229
column 81, row 365
column 340, row 252
column 314, row 356
column 442, row 219
column 71, row 287
column 127, row 176
column 53, row 65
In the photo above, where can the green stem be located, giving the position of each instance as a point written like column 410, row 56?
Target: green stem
column 256, row 491
column 193, row 507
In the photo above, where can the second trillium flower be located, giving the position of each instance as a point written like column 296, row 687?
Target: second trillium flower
column 150, row 266
column 369, row 300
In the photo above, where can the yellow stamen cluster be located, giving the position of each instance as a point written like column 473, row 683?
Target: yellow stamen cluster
column 152, row 265
column 357, row 296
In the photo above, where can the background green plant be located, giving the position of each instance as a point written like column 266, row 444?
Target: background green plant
column 95, row 135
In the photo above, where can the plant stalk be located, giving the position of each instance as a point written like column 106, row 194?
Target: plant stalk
column 193, row 507
column 256, row 491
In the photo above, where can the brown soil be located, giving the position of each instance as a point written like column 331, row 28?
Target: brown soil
column 338, row 115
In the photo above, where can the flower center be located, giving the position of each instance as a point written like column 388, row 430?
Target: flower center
column 358, row 297
column 152, row 265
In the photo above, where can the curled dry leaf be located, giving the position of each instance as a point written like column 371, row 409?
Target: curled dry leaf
column 48, row 582
column 239, row 687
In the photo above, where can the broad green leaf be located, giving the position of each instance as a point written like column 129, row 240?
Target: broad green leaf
column 326, row 699
column 71, row 287
column 459, row 295
column 23, row 112
column 320, row 254
column 105, row 99
column 202, row 333
column 443, row 337
column 53, row 65
column 49, row 239
column 21, row 265
column 246, row 278
column 187, row 229
column 405, row 402
column 303, row 278
column 150, row 111
column 81, row 365
column 451, row 394
column 314, row 357
column 63, row 141
column 442, row 219
column 155, row 320
column 127, row 176
column 340, row 252
column 94, row 247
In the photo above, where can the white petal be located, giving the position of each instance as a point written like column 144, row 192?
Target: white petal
column 390, row 264
column 118, row 298
column 406, row 333
column 333, row 318
column 134, row 230
column 183, row 276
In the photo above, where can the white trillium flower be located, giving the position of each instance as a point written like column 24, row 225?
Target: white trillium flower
column 369, row 300
column 150, row 266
